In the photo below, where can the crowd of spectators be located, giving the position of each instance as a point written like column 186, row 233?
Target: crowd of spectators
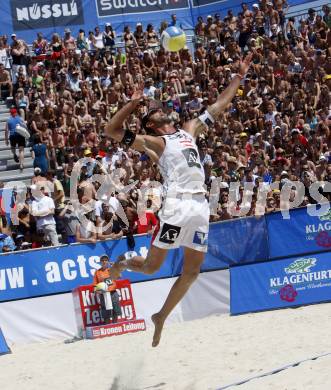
column 277, row 127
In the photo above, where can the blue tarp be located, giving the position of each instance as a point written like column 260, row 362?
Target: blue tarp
column 26, row 17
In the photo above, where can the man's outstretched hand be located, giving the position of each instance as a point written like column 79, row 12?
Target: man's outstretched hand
column 138, row 93
column 245, row 64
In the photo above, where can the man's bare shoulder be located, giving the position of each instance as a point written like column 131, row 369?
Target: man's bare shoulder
column 149, row 144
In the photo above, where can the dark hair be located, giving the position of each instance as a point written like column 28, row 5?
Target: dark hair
column 37, row 139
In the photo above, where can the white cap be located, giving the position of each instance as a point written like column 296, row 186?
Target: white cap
column 209, row 16
column 255, row 5
column 108, row 24
column 284, row 173
column 322, row 158
column 257, row 135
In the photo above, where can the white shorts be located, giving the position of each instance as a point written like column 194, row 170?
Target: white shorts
column 184, row 222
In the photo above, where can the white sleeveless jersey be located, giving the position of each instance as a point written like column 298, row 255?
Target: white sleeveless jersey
column 180, row 165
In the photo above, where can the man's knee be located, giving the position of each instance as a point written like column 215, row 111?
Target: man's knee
column 189, row 276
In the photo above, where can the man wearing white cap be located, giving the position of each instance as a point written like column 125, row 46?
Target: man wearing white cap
column 211, row 28
column 321, row 167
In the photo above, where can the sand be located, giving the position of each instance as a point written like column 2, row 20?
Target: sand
column 199, row 355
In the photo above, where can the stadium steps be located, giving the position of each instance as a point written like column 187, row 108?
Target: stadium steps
column 4, row 116
column 10, row 164
column 16, row 175
column 9, row 169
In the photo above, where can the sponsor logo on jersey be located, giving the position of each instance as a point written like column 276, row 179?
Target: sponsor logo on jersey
column 169, row 233
column 192, row 157
column 200, row 238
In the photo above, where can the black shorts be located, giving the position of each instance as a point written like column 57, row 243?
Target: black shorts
column 16, row 140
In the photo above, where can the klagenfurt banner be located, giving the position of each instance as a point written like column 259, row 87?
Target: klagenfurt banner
column 27, row 17
column 302, row 233
column 280, row 283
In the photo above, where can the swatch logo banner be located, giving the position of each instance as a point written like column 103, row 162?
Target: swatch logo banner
column 35, row 14
column 122, row 7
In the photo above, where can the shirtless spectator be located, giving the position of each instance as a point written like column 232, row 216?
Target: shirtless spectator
column 5, row 81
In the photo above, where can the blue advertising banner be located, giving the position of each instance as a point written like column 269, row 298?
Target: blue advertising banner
column 280, row 283
column 27, row 17
column 56, row 270
column 301, row 233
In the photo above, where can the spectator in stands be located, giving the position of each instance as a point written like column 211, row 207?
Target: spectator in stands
column 14, row 138
column 40, row 45
column 147, row 221
column 39, row 154
column 87, row 233
column 109, row 36
column 58, row 192
column 7, row 244
column 43, row 208
column 19, row 52
column 70, row 223
column 279, row 121
column 5, row 82
column 22, row 103
column 4, row 55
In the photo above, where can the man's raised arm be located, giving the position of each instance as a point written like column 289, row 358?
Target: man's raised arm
column 114, row 128
column 196, row 126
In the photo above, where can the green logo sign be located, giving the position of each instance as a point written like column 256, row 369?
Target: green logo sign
column 300, row 266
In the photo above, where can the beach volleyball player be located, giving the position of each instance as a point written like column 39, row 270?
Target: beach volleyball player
column 184, row 215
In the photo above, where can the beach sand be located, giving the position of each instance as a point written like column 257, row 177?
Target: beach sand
column 204, row 354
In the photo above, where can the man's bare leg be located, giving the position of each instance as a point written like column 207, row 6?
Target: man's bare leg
column 191, row 268
column 21, row 157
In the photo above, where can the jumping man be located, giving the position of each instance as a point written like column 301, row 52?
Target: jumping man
column 184, row 216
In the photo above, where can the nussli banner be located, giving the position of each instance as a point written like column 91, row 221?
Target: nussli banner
column 32, row 14
column 281, row 283
column 88, row 314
